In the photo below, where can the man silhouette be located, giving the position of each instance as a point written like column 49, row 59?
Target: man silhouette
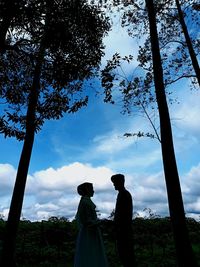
column 123, row 222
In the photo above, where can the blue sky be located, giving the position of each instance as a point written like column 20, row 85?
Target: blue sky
column 89, row 146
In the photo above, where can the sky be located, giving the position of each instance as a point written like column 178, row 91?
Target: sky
column 89, row 146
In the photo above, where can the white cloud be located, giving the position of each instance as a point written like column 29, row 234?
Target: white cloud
column 195, row 206
column 118, row 41
column 4, row 212
column 136, row 161
column 50, row 182
column 191, row 183
column 53, row 191
column 7, row 176
column 187, row 112
column 49, row 193
column 150, row 193
column 112, row 143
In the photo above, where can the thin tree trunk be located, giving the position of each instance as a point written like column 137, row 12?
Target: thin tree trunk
column 189, row 43
column 8, row 252
column 184, row 251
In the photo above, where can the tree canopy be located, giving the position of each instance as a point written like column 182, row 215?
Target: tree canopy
column 72, row 53
column 48, row 50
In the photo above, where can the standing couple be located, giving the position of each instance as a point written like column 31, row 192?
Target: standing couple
column 90, row 250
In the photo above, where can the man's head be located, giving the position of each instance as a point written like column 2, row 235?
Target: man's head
column 118, row 181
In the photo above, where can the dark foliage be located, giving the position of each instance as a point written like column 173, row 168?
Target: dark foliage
column 59, row 35
column 48, row 50
column 52, row 242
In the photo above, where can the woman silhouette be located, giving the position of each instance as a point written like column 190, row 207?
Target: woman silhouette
column 90, row 250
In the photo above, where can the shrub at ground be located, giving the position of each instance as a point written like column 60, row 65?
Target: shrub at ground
column 51, row 243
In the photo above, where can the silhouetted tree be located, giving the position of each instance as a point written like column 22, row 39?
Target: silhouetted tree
column 184, row 251
column 188, row 41
column 137, row 91
column 54, row 50
column 11, row 12
column 12, row 16
column 179, row 50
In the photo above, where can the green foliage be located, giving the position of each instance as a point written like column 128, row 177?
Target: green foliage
column 176, row 58
column 140, row 134
column 52, row 242
column 137, row 87
column 135, row 90
column 57, row 36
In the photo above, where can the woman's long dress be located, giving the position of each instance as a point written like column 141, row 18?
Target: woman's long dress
column 90, row 250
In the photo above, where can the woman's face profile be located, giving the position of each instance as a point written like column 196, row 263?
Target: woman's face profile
column 90, row 191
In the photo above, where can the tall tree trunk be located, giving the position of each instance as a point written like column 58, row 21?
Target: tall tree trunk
column 8, row 251
column 184, row 251
column 188, row 42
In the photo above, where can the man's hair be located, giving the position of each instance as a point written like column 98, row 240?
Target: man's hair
column 117, row 177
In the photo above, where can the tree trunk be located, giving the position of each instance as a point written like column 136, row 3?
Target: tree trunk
column 184, row 251
column 8, row 251
column 189, row 43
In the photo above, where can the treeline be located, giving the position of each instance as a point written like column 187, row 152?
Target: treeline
column 52, row 242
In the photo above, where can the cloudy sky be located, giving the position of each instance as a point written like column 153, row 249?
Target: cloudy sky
column 89, row 146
